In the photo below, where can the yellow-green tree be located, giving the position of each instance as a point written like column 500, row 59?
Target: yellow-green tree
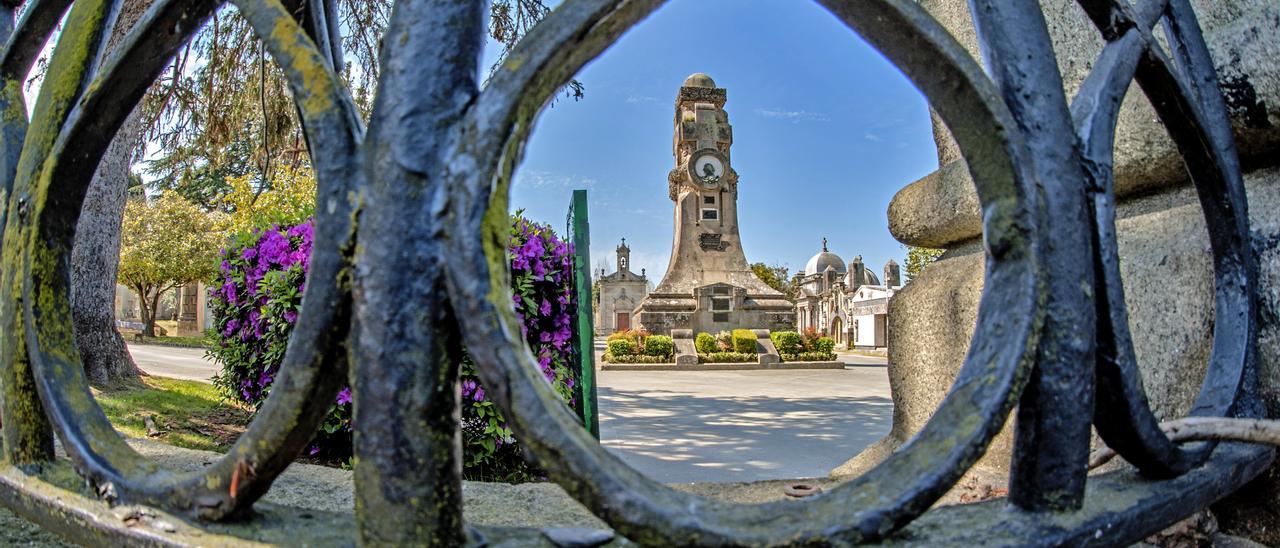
column 164, row 243
column 918, row 258
column 289, row 200
column 776, row 277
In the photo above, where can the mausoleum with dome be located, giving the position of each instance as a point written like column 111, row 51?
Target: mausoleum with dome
column 845, row 302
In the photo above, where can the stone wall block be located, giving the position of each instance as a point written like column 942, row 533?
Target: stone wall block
column 1244, row 38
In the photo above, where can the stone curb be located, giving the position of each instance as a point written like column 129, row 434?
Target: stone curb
column 746, row 366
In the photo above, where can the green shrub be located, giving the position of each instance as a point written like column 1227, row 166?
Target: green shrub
column 787, row 342
column 617, row 335
column 705, row 343
column 622, row 347
column 808, row 357
column 744, row 341
column 727, row 357
column 824, row 345
column 660, row 346
column 638, row 358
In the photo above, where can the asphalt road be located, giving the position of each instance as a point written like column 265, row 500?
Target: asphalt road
column 169, row 361
column 703, row 426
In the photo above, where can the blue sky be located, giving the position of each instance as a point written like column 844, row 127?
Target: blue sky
column 825, row 129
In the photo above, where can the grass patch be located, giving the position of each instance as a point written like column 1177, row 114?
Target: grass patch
column 186, row 414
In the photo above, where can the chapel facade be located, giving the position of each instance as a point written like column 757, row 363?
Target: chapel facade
column 619, row 294
column 845, row 302
column 709, row 285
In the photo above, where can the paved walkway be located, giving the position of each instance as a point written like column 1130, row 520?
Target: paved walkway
column 727, row 426
column 703, row 426
column 171, row 361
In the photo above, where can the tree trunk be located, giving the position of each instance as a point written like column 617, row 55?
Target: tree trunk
column 94, row 259
column 95, row 254
column 151, row 305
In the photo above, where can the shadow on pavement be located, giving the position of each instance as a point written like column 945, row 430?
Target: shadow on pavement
column 679, row 437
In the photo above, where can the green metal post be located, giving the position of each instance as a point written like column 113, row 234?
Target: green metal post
column 586, row 387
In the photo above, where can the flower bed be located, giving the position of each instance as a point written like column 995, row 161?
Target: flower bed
column 638, row 346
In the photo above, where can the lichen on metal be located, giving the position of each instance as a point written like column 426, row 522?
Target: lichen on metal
column 409, row 264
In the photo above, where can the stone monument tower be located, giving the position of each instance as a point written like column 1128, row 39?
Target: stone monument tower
column 709, row 285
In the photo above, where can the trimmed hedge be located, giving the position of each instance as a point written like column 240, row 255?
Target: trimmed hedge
column 787, row 342
column 727, row 357
column 744, row 341
column 637, row 358
column 621, row 347
column 808, row 357
column 824, row 345
column 705, row 343
column 660, row 346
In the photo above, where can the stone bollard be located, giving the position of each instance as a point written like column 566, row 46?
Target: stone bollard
column 1166, row 264
column 686, row 352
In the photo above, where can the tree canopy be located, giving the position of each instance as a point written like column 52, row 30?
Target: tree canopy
column 165, row 243
column 776, row 276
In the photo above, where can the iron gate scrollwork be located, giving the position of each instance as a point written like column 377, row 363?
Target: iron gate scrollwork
column 409, row 265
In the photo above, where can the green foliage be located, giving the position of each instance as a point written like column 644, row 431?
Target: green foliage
column 808, row 357
column 638, row 346
column 165, row 243
column 660, row 346
column 728, row 357
column 776, row 277
column 787, row 342
column 705, row 343
column 638, row 358
column 289, row 201
column 622, row 347
column 824, row 345
column 918, row 258
column 744, row 341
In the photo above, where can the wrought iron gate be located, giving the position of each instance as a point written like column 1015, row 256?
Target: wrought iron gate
column 439, row 150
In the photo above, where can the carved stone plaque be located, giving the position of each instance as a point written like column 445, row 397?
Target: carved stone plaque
column 711, row 242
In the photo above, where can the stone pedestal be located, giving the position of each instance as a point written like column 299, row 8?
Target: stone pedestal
column 686, row 352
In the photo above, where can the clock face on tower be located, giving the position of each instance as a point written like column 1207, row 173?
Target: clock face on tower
column 706, row 167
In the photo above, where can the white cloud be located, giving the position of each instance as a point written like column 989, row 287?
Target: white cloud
column 640, row 99
column 873, row 137
column 795, row 116
column 545, row 179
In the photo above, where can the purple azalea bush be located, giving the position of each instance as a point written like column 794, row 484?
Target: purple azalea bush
column 255, row 302
column 258, row 293
column 542, row 294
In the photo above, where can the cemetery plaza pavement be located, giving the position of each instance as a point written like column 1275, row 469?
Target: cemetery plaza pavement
column 703, row 426
column 735, row 426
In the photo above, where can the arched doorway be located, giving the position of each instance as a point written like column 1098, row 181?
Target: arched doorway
column 837, row 330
